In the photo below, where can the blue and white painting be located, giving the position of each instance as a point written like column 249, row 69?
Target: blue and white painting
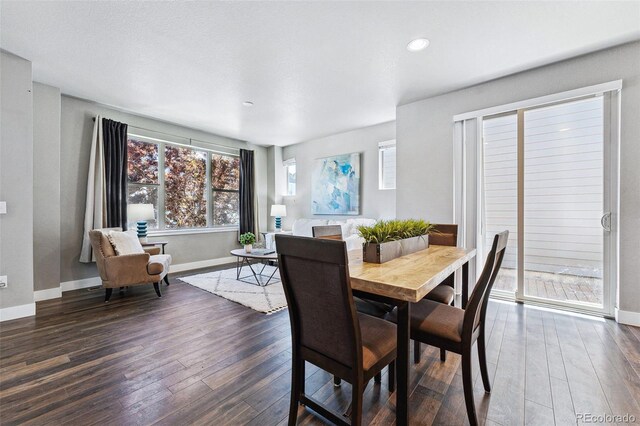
column 336, row 185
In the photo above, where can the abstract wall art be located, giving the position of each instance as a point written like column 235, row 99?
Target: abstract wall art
column 336, row 185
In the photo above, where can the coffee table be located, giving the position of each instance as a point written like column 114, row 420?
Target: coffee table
column 257, row 256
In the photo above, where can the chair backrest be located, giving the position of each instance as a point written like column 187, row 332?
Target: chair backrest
column 477, row 306
column 328, row 232
column 444, row 235
column 315, row 276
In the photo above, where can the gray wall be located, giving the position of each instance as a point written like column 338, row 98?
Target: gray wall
column 16, row 180
column 46, row 186
column 374, row 203
column 76, row 131
column 425, row 135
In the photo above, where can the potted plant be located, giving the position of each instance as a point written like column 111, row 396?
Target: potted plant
column 247, row 239
column 389, row 239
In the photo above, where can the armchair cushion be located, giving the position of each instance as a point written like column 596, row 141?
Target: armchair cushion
column 125, row 242
column 158, row 264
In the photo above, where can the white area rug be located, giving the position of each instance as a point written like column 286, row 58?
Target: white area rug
column 267, row 299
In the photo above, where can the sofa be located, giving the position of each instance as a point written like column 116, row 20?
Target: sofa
column 303, row 228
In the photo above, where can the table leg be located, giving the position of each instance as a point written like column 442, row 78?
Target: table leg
column 465, row 284
column 239, row 263
column 402, row 364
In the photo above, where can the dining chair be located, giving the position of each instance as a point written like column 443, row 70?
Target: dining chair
column 370, row 307
column 442, row 235
column 327, row 232
column 326, row 329
column 456, row 330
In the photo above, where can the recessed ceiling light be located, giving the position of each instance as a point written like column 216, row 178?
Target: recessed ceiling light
column 417, row 45
column 247, row 103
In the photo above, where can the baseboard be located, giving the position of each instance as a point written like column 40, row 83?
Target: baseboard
column 78, row 284
column 15, row 312
column 95, row 281
column 628, row 317
column 50, row 293
column 201, row 264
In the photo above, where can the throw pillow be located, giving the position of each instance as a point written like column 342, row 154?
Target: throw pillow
column 125, row 242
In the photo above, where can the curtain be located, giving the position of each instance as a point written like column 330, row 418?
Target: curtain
column 115, row 160
column 247, row 193
column 95, row 216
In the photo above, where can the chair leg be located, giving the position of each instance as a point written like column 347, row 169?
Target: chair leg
column 296, row 389
column 482, row 358
column 467, row 385
column 107, row 294
column 392, row 377
column 166, row 279
column 356, row 404
column 416, row 351
column 156, row 287
column 378, row 378
column 443, row 355
column 337, row 381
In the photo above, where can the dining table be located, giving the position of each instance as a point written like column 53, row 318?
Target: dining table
column 401, row 282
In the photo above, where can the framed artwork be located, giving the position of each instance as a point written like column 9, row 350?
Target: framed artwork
column 335, row 185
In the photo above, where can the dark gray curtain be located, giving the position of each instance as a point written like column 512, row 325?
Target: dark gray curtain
column 115, row 159
column 247, row 212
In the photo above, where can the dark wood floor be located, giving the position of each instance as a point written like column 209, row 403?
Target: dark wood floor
column 194, row 358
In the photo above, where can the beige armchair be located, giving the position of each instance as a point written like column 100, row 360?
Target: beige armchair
column 150, row 267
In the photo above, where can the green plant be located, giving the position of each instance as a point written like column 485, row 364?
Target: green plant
column 247, row 238
column 392, row 230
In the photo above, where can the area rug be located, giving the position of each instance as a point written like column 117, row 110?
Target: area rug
column 267, row 299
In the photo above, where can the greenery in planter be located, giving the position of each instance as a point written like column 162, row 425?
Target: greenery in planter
column 247, row 238
column 393, row 230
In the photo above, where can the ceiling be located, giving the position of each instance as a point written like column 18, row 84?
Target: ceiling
column 311, row 68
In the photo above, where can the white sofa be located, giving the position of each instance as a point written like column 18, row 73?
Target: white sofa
column 303, row 228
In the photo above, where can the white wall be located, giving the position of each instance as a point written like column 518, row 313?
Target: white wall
column 425, row 149
column 374, row 203
column 16, row 186
column 76, row 129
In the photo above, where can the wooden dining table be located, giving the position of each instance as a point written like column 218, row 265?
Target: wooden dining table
column 403, row 281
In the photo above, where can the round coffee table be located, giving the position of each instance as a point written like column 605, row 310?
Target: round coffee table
column 257, row 256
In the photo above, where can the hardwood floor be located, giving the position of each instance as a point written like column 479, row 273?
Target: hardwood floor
column 194, row 358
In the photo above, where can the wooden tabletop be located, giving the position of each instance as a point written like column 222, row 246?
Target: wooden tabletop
column 408, row 277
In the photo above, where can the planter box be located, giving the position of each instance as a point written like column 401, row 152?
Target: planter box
column 380, row 253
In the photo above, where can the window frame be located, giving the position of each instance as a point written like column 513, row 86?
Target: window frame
column 286, row 164
column 160, row 219
column 382, row 147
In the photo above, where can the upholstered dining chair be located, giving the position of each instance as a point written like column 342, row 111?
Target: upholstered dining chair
column 370, row 307
column 327, row 232
column 149, row 267
column 442, row 235
column 456, row 330
column 326, row 329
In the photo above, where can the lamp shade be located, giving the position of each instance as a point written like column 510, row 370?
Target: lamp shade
column 279, row 210
column 139, row 212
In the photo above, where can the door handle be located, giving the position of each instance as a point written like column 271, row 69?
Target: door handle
column 605, row 221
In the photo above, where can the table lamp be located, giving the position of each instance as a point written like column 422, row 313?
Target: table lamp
column 279, row 211
column 140, row 213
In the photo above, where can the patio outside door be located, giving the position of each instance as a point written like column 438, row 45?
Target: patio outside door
column 545, row 177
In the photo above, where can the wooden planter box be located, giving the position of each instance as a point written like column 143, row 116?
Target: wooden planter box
column 380, row 253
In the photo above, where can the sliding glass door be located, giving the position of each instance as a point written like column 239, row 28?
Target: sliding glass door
column 544, row 178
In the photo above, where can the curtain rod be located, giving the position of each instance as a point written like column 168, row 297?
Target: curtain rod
column 176, row 136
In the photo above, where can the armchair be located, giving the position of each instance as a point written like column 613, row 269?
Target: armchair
column 149, row 267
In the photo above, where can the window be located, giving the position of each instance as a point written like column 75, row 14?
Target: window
column 290, row 172
column 387, row 165
column 225, row 184
column 190, row 188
